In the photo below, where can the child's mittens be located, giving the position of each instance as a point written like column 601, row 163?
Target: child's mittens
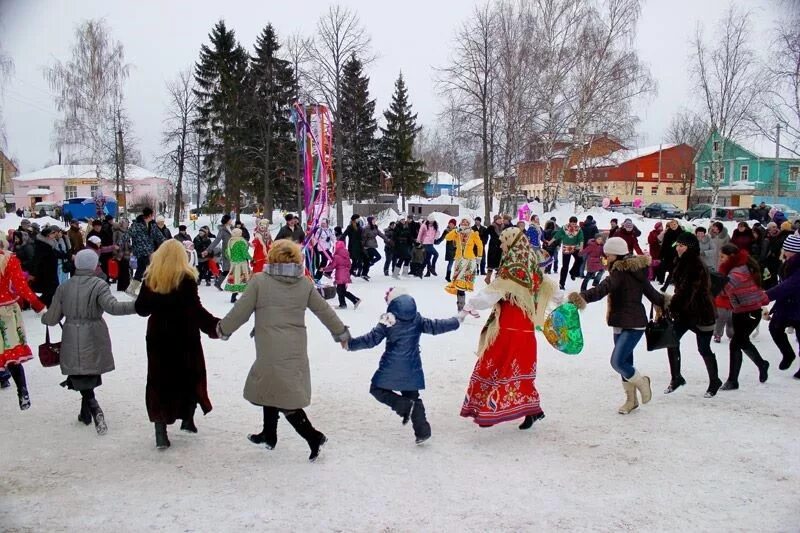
column 461, row 316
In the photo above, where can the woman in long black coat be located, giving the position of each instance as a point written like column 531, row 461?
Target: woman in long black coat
column 176, row 368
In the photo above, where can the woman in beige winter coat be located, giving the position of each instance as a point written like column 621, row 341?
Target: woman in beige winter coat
column 280, row 379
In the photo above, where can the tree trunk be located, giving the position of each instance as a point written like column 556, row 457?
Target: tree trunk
column 176, row 218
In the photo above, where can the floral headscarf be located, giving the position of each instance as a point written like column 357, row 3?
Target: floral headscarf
column 520, row 281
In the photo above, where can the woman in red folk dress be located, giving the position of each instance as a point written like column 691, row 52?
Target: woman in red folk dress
column 502, row 386
column 262, row 241
column 15, row 349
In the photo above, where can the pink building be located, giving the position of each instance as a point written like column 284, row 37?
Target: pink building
column 57, row 183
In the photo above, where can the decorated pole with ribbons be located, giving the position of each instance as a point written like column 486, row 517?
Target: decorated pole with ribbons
column 314, row 130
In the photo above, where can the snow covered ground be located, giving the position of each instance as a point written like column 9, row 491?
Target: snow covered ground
column 681, row 462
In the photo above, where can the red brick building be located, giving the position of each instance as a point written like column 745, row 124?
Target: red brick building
column 614, row 171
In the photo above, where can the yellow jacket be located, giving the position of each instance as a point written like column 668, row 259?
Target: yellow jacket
column 466, row 250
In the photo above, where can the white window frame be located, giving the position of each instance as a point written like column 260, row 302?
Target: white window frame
column 640, row 174
column 70, row 192
column 639, row 190
column 794, row 171
column 715, row 146
column 654, row 190
column 744, row 173
column 706, row 173
column 92, row 189
column 670, row 190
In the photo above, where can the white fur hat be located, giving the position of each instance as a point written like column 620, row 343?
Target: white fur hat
column 431, row 218
column 393, row 293
column 95, row 239
column 616, row 246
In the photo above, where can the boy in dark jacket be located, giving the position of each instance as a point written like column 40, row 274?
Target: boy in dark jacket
column 400, row 367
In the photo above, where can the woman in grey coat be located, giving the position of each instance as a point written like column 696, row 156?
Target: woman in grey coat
column 280, row 379
column 85, row 342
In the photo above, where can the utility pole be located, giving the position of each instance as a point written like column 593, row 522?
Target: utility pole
column 776, row 186
column 659, row 169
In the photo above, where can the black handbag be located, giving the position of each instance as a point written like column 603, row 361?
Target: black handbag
column 660, row 333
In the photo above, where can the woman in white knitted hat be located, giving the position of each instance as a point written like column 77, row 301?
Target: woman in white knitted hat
column 85, row 342
column 626, row 283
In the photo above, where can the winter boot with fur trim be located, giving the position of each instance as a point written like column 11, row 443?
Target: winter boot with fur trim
column 642, row 384
column 631, row 402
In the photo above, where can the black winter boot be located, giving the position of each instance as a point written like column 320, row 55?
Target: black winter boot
column 677, row 380
column 85, row 415
column 162, row 441
column 98, row 417
column 760, row 362
column 529, row 421
column 187, row 424
column 422, row 429
column 269, row 433
column 302, row 425
column 732, row 383
column 18, row 374
column 24, row 399
column 714, row 383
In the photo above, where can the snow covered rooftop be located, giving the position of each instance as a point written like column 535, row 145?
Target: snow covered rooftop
column 441, row 178
column 471, row 185
column 132, row 172
column 623, row 156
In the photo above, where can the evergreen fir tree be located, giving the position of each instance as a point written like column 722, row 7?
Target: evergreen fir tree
column 221, row 74
column 360, row 173
column 272, row 139
column 397, row 144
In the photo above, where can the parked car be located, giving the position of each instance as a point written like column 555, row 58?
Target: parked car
column 622, row 209
column 662, row 210
column 696, row 211
column 738, row 214
column 791, row 214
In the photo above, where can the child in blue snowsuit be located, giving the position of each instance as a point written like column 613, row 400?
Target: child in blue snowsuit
column 400, row 367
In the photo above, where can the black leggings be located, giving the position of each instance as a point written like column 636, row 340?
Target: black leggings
column 342, row 292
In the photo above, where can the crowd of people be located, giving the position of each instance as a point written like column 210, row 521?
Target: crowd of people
column 722, row 284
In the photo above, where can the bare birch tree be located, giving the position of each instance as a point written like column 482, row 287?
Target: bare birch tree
column 558, row 26
column 296, row 51
column 339, row 36
column 89, row 93
column 687, row 127
column 176, row 136
column 609, row 77
column 728, row 76
column 470, row 81
column 779, row 102
column 6, row 71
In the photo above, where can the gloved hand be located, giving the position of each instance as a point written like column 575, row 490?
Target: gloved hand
column 462, row 315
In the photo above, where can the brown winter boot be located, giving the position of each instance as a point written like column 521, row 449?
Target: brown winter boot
column 631, row 402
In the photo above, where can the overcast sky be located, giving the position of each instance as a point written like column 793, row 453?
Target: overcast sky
column 163, row 37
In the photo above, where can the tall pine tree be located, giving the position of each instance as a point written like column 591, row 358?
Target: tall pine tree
column 221, row 74
column 272, row 145
column 397, row 144
column 357, row 127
